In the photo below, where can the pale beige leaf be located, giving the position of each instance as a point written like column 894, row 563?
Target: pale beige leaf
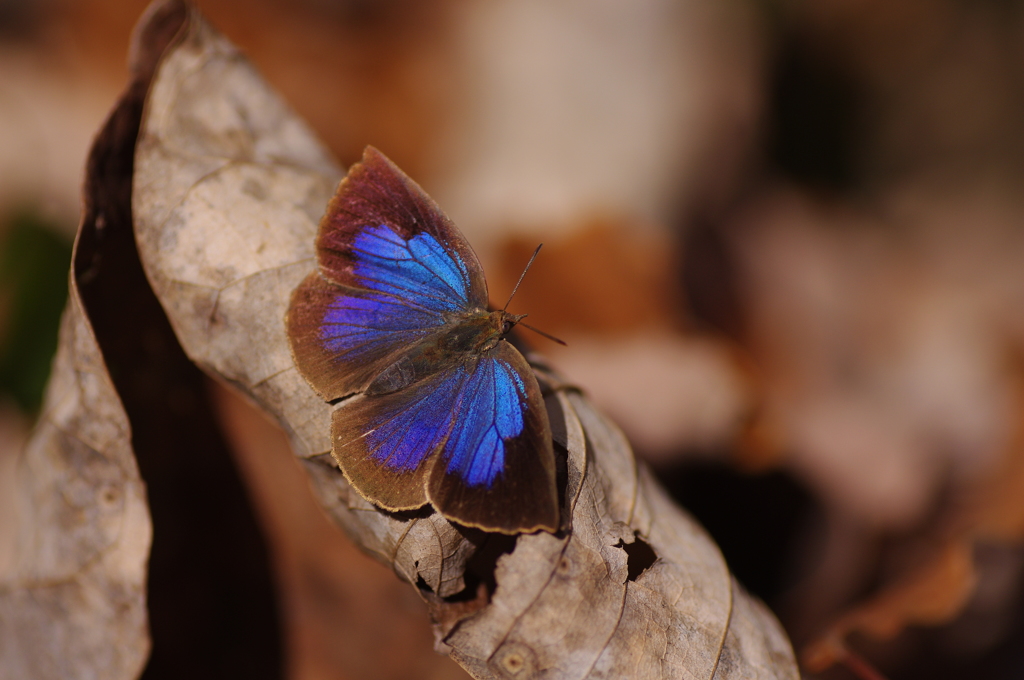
column 72, row 589
column 76, row 535
column 229, row 189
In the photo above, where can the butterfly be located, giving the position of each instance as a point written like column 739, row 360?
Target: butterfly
column 446, row 411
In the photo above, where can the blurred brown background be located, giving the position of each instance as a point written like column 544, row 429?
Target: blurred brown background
column 784, row 242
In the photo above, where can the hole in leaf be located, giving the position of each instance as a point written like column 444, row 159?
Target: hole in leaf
column 422, row 584
column 480, row 567
column 639, row 557
column 480, row 582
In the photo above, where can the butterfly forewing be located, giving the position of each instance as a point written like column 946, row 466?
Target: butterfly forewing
column 392, row 270
column 342, row 339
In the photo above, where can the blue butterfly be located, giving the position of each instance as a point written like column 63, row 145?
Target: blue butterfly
column 448, row 413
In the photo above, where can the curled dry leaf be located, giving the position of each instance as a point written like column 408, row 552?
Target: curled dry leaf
column 73, row 557
column 229, row 189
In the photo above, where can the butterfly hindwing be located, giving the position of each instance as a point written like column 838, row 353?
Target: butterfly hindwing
column 497, row 471
column 471, row 439
column 384, row 444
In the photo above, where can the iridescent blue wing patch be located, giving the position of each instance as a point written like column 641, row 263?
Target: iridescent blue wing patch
column 408, row 287
column 489, row 410
column 418, row 271
column 497, row 469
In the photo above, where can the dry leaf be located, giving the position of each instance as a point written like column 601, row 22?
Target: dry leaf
column 73, row 579
column 931, row 595
column 228, row 191
column 72, row 591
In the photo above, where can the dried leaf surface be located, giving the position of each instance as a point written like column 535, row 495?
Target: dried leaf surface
column 72, row 596
column 73, row 572
column 229, row 189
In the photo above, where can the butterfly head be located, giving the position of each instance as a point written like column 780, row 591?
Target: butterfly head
column 507, row 321
column 492, row 328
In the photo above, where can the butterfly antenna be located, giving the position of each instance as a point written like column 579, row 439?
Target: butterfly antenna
column 521, row 276
column 540, row 332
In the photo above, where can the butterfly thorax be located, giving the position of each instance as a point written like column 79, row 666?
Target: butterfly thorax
column 477, row 332
column 466, row 336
